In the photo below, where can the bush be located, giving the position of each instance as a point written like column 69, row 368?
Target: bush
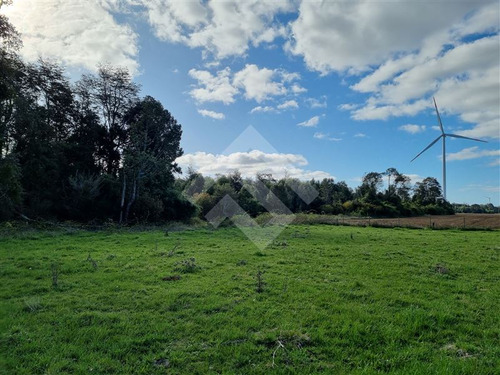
column 148, row 209
column 176, row 207
column 10, row 187
column 205, row 203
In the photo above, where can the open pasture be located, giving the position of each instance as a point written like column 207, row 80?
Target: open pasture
column 320, row 299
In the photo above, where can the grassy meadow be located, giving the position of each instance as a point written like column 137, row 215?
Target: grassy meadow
column 320, row 299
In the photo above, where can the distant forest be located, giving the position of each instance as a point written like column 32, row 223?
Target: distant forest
column 96, row 150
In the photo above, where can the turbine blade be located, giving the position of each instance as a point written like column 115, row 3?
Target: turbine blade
column 428, row 147
column 439, row 117
column 461, row 136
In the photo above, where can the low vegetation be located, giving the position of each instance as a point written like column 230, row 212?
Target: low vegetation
column 334, row 299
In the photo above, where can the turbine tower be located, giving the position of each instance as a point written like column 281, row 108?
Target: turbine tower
column 443, row 135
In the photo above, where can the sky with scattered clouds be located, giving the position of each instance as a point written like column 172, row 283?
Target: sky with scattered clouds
column 338, row 88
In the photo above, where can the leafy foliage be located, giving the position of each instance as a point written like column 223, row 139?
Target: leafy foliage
column 92, row 150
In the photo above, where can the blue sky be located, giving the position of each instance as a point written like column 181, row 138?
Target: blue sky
column 337, row 88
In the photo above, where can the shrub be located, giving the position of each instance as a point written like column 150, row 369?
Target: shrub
column 187, row 266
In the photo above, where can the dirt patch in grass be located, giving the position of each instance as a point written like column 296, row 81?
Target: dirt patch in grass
column 172, row 278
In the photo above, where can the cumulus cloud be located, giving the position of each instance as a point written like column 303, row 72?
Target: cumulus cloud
column 222, row 28
column 212, row 114
column 405, row 52
column 312, row 122
column 412, row 129
column 251, row 163
column 459, row 65
column 298, row 89
column 352, row 36
column 472, row 153
column 259, row 84
column 288, row 104
column 76, row 33
column 213, row 88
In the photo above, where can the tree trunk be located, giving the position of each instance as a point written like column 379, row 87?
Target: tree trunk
column 132, row 199
column 122, row 203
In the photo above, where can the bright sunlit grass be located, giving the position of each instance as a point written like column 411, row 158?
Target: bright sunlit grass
column 327, row 299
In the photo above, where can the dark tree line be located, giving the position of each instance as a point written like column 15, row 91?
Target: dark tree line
column 93, row 150
column 476, row 208
column 399, row 198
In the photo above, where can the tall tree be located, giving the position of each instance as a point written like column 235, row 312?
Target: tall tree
column 402, row 186
column 11, row 70
column 153, row 146
column 428, row 191
column 390, row 172
column 111, row 93
column 48, row 86
column 370, row 187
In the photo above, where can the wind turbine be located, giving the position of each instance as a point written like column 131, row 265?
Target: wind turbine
column 443, row 135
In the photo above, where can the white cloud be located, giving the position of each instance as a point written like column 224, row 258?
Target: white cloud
column 412, row 129
column 352, row 36
column 348, row 106
column 360, row 135
column 298, row 89
column 255, row 84
column 319, row 135
column 251, row 163
column 312, row 122
column 288, row 104
column 262, row 109
column 261, row 84
column 212, row 114
column 223, row 28
column 414, row 178
column 405, row 52
column 471, row 153
column 76, row 33
column 283, row 106
column 458, row 64
column 317, row 103
column 465, row 61
column 372, row 111
column 214, row 88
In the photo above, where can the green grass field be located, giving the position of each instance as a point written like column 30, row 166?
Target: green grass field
column 332, row 300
